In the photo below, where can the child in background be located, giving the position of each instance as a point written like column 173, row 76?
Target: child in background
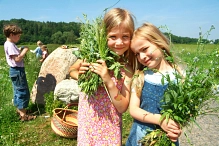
column 38, row 50
column 17, row 74
column 45, row 52
column 150, row 47
column 99, row 118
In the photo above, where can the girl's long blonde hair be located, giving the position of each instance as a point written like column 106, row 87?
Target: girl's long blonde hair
column 151, row 33
column 114, row 18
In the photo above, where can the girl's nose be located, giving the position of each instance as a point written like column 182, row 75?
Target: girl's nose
column 119, row 41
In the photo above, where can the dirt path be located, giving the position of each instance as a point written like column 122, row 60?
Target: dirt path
column 208, row 135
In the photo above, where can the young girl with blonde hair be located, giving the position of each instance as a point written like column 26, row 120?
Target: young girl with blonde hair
column 151, row 48
column 38, row 50
column 99, row 118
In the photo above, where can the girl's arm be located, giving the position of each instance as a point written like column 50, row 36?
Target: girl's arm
column 34, row 51
column 119, row 100
column 140, row 114
column 43, row 58
column 79, row 67
column 173, row 129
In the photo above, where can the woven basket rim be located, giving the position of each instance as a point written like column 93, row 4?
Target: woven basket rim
column 55, row 115
column 59, row 124
column 64, row 109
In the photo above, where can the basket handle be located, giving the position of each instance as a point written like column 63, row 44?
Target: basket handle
column 69, row 105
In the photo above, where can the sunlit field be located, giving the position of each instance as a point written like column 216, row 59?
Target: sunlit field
column 39, row 132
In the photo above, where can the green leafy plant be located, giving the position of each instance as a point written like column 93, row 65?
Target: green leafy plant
column 93, row 47
column 51, row 104
column 188, row 97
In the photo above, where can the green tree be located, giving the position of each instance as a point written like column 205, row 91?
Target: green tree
column 216, row 41
column 56, row 37
column 71, row 38
column 2, row 39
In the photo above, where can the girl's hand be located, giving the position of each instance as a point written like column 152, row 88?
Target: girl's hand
column 101, row 69
column 173, row 136
column 172, row 129
column 84, row 66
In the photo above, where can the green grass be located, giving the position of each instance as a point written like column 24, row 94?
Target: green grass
column 39, row 132
column 12, row 131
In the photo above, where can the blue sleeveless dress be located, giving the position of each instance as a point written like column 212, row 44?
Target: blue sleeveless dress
column 152, row 93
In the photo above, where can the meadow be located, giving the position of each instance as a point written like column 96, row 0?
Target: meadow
column 39, row 132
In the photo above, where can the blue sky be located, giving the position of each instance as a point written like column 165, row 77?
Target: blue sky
column 183, row 17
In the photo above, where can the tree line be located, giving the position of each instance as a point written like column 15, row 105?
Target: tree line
column 48, row 32
column 63, row 33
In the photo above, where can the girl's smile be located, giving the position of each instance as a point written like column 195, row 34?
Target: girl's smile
column 148, row 54
column 119, row 39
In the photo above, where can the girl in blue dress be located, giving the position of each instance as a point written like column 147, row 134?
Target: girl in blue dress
column 150, row 47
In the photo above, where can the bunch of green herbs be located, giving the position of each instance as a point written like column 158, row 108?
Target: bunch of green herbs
column 190, row 96
column 93, row 47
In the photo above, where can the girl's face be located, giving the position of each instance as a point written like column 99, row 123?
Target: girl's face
column 15, row 38
column 119, row 39
column 43, row 49
column 147, row 53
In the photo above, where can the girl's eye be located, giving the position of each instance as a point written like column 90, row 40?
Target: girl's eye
column 112, row 37
column 126, row 38
column 144, row 49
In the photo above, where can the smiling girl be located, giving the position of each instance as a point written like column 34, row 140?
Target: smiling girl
column 151, row 48
column 99, row 118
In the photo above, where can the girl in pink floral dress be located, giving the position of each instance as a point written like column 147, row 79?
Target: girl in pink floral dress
column 100, row 116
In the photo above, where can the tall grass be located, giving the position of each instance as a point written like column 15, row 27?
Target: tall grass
column 185, row 52
column 12, row 131
column 38, row 132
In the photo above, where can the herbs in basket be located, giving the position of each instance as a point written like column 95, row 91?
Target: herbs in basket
column 189, row 97
column 94, row 47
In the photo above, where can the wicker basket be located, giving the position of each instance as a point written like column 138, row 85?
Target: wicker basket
column 64, row 122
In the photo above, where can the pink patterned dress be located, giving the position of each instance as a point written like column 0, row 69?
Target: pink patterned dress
column 99, row 123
